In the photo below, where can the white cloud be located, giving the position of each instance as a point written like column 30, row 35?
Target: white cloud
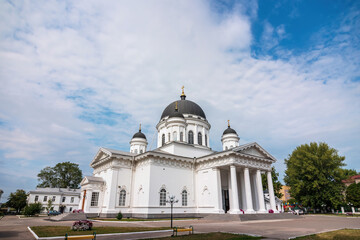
column 79, row 75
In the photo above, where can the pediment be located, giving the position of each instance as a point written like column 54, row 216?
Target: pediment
column 101, row 155
column 91, row 180
column 254, row 149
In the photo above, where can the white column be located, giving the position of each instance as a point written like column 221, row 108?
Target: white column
column 196, row 135
column 271, row 192
column 254, row 191
column 243, row 194
column 113, row 192
column 218, row 206
column 353, row 210
column 234, row 190
column 260, row 192
column 249, row 205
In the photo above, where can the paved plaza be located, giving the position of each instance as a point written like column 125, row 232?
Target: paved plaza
column 11, row 227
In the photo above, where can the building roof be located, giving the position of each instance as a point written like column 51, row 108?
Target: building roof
column 229, row 130
column 184, row 107
column 351, row 179
column 57, row 191
column 139, row 134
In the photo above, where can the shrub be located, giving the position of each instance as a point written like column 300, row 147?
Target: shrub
column 32, row 209
column 271, row 211
column 82, row 225
column 77, row 211
column 119, row 216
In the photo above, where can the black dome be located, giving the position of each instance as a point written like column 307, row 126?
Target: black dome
column 139, row 135
column 176, row 114
column 185, row 107
column 229, row 130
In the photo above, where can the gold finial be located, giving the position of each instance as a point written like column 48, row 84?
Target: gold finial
column 140, row 128
column 176, row 106
column 182, row 88
column 228, row 123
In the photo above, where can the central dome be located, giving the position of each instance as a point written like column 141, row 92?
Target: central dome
column 184, row 107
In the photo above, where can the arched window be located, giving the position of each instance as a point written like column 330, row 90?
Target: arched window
column 169, row 136
column 175, row 136
column 199, row 138
column 226, row 148
column 122, row 198
column 205, row 140
column 162, row 197
column 184, row 198
column 191, row 137
column 135, row 151
column 181, row 136
column 141, row 151
column 163, row 140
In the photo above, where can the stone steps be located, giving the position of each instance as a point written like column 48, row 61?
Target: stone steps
column 69, row 217
column 249, row 217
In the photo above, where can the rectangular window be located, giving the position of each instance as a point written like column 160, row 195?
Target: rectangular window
column 63, row 199
column 53, row 198
column 36, row 198
column 94, row 199
column 45, row 199
column 72, row 199
column 162, row 197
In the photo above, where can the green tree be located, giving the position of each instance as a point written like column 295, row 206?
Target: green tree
column 314, row 175
column 17, row 200
column 346, row 173
column 49, row 205
column 353, row 194
column 32, row 209
column 63, row 175
column 276, row 183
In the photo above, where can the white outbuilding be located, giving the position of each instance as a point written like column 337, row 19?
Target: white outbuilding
column 63, row 199
column 183, row 165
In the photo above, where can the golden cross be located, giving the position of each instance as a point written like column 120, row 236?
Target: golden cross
column 182, row 90
column 228, row 123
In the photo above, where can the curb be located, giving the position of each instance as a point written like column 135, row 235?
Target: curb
column 98, row 235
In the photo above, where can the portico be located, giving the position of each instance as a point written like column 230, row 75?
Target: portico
column 243, row 190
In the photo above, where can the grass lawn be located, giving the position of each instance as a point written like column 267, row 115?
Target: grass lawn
column 52, row 231
column 344, row 234
column 211, row 236
column 140, row 219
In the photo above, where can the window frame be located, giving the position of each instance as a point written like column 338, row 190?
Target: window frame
column 191, row 137
column 122, row 198
column 184, row 200
column 162, row 195
column 94, row 199
column 199, row 138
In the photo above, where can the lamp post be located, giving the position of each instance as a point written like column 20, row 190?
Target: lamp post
column 172, row 201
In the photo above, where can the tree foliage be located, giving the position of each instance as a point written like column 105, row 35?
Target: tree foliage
column 32, row 209
column 276, row 183
column 346, row 173
column 17, row 200
column 314, row 175
column 353, row 194
column 63, row 175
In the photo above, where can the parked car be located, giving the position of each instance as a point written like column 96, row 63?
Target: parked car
column 53, row 213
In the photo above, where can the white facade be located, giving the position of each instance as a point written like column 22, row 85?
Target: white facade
column 63, row 199
column 183, row 165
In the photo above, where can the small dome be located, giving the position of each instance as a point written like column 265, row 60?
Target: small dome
column 229, row 130
column 139, row 135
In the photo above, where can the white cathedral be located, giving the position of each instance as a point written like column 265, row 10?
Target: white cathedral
column 183, row 165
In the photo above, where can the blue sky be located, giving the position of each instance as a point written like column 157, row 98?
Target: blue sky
column 79, row 75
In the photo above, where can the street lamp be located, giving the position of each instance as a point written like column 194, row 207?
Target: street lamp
column 172, row 201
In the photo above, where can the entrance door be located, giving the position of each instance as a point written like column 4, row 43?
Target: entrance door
column 226, row 204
